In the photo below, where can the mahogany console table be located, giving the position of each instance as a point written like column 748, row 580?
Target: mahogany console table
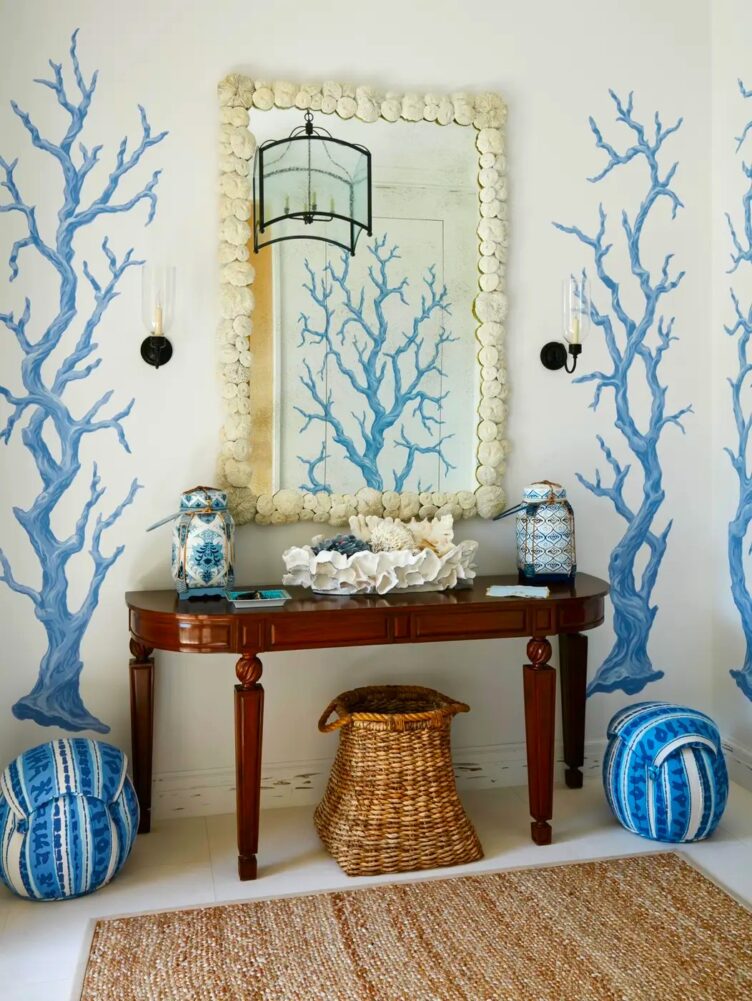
column 159, row 620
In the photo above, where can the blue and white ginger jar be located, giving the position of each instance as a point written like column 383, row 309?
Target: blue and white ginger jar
column 545, row 535
column 203, row 553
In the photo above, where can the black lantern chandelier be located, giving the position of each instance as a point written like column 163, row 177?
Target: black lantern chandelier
column 311, row 186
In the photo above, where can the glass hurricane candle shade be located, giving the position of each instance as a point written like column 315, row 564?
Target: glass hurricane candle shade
column 158, row 311
column 575, row 319
column 575, row 309
column 157, row 298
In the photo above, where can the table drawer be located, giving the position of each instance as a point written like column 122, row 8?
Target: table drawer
column 473, row 622
column 321, row 630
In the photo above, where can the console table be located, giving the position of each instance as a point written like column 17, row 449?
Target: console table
column 159, row 620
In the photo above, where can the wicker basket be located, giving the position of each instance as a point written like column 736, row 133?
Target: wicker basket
column 391, row 804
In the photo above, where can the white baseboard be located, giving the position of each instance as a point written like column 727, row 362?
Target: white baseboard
column 739, row 762
column 295, row 783
column 302, row 783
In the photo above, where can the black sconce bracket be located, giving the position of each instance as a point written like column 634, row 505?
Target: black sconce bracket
column 156, row 351
column 554, row 356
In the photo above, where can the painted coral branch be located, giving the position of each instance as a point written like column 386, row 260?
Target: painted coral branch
column 52, row 433
column 741, row 328
column 636, row 340
column 389, row 377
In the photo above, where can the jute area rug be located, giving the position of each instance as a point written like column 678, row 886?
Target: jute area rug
column 648, row 927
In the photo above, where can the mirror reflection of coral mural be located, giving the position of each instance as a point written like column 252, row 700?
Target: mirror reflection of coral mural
column 39, row 411
column 366, row 373
column 372, row 361
column 637, row 340
column 740, row 328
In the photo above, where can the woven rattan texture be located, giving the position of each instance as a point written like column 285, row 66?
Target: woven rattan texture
column 391, row 803
column 633, row 929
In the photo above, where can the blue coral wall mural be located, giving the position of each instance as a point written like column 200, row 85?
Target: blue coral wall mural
column 50, row 428
column 637, row 340
column 389, row 370
column 741, row 329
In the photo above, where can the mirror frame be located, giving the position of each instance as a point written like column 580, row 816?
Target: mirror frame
column 486, row 113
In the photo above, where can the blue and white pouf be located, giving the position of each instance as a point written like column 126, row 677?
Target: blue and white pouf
column 68, row 818
column 664, row 772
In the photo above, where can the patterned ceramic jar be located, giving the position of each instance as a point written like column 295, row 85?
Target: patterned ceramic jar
column 202, row 543
column 545, row 534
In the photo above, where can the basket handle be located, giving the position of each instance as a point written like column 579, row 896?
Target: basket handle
column 436, row 714
column 325, row 727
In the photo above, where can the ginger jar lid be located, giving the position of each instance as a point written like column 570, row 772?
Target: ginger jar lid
column 203, row 498
column 543, row 490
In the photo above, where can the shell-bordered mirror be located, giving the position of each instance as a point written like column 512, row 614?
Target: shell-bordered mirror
column 371, row 384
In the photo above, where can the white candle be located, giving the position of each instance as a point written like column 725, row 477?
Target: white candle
column 574, row 330
column 157, row 327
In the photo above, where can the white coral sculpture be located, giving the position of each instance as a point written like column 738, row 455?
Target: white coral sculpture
column 419, row 555
column 433, row 533
column 389, row 538
column 382, row 534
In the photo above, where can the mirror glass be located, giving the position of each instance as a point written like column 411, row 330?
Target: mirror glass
column 364, row 368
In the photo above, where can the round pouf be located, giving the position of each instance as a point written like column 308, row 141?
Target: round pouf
column 664, row 772
column 68, row 818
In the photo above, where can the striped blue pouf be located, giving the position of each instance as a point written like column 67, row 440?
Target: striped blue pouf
column 68, row 818
column 664, row 772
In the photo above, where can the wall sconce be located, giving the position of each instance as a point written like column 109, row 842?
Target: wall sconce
column 158, row 310
column 311, row 186
column 576, row 324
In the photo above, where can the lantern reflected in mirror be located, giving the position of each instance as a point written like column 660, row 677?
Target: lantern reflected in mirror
column 311, row 186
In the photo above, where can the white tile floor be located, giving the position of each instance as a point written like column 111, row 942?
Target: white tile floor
column 193, row 861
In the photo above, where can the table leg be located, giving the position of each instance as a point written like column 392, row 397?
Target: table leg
column 573, row 679
column 540, row 700
column 249, row 718
column 142, row 728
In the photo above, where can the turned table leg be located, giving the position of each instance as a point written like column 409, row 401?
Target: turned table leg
column 540, row 699
column 142, row 728
column 249, row 718
column 573, row 679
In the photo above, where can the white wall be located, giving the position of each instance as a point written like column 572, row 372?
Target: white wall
column 553, row 63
